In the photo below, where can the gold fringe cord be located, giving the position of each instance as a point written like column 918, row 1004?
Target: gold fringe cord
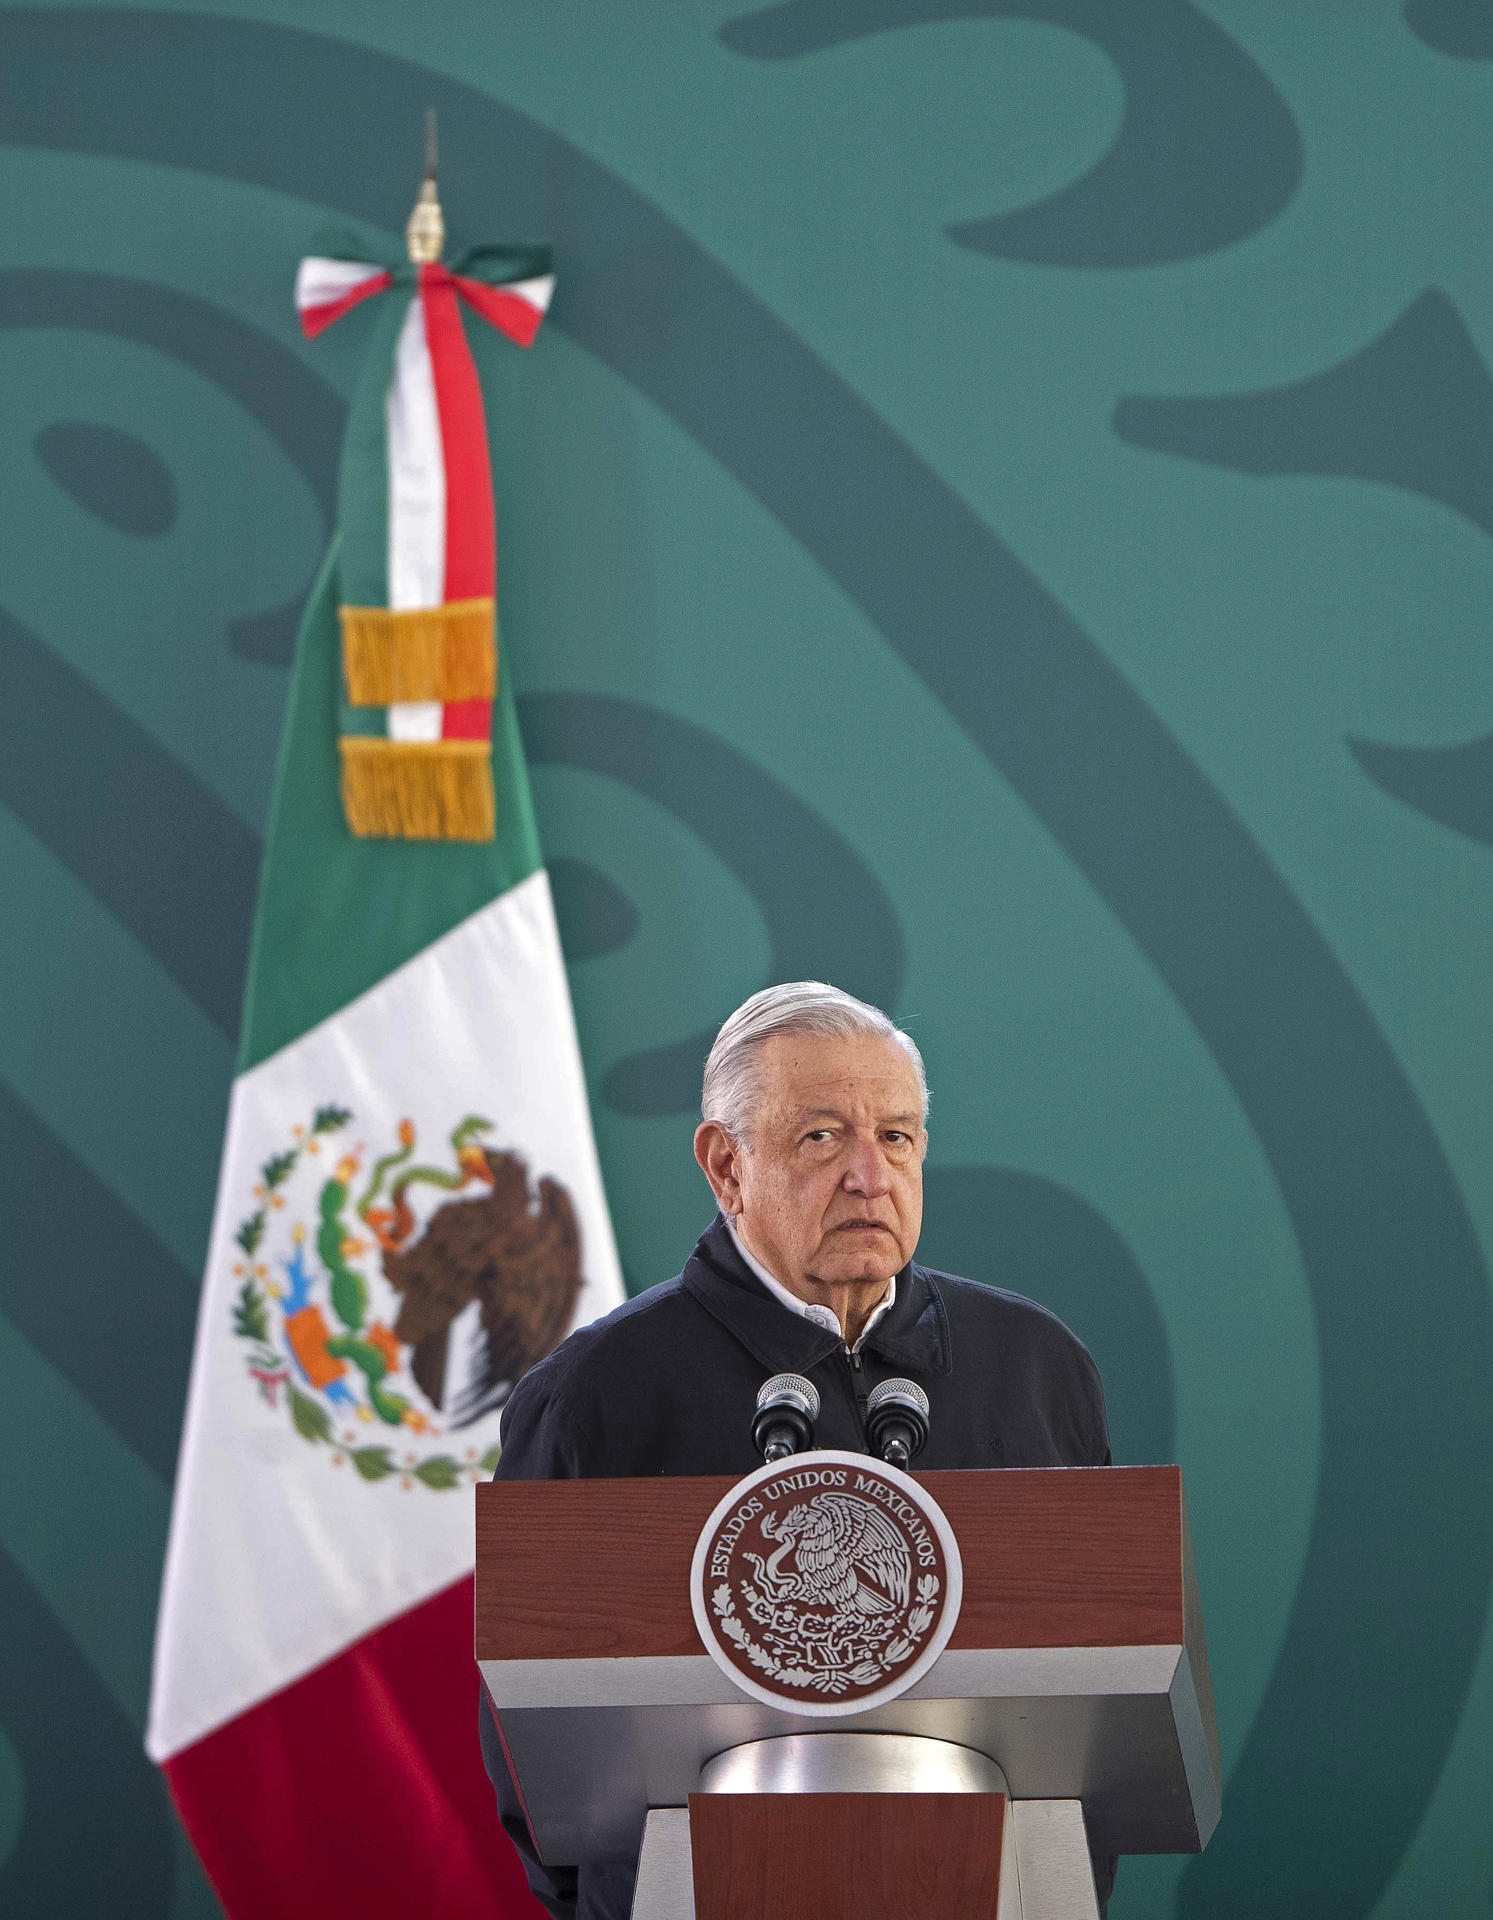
column 418, row 790
column 429, row 653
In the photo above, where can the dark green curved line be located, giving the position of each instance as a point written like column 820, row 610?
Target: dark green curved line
column 1319, row 1810
column 1461, row 29
column 96, row 1824
column 295, row 406
column 176, row 866
column 92, row 1289
column 826, row 912
column 1207, row 152
column 115, row 476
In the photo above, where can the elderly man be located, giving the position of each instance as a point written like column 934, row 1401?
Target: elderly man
column 813, row 1139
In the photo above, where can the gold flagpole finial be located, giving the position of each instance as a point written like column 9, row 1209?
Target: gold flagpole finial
column 425, row 230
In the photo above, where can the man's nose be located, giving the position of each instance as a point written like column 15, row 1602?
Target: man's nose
column 866, row 1171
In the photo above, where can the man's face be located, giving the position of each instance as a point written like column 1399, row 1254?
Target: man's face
column 829, row 1188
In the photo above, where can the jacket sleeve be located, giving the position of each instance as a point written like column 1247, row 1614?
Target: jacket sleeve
column 1100, row 1452
column 541, row 1438
column 1071, row 1396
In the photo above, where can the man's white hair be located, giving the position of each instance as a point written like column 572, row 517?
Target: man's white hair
column 732, row 1085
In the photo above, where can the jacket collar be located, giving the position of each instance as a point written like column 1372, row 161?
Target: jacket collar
column 914, row 1334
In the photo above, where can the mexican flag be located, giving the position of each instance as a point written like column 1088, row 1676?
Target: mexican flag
column 410, row 1211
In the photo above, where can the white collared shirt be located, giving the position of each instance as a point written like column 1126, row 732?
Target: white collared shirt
column 810, row 1309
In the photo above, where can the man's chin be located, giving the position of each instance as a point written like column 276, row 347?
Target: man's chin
column 870, row 1263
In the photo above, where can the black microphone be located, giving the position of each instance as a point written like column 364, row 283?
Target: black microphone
column 897, row 1420
column 787, row 1407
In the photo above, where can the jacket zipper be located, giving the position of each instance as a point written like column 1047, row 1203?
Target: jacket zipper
column 858, row 1388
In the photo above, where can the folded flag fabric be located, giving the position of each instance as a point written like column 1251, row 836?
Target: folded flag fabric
column 419, row 563
column 410, row 1210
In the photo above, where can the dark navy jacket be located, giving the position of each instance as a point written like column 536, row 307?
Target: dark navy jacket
column 668, row 1384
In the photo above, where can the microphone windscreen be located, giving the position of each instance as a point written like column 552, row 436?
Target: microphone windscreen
column 789, row 1389
column 896, row 1393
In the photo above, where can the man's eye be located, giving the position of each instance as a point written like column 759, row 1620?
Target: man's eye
column 820, row 1133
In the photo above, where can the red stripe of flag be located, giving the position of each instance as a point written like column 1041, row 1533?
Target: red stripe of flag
column 509, row 312
column 358, row 1789
column 471, row 541
column 466, row 720
column 317, row 319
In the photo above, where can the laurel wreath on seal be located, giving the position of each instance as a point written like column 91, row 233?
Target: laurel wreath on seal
column 873, row 1666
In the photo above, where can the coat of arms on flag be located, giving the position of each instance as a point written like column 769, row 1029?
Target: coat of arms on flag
column 356, row 1275
column 410, row 1211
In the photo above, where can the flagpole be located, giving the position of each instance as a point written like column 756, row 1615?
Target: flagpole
column 425, row 230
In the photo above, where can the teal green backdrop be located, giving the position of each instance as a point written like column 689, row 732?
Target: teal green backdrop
column 999, row 518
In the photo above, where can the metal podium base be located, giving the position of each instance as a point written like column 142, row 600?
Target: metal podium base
column 1048, row 1877
column 851, row 1763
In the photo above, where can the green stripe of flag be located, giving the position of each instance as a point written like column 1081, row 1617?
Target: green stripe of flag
column 336, row 914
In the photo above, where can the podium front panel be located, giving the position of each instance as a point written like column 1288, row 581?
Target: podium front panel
column 1077, row 1663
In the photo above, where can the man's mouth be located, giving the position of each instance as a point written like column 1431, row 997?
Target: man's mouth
column 861, row 1226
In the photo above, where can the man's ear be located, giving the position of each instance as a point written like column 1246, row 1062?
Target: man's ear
column 717, row 1154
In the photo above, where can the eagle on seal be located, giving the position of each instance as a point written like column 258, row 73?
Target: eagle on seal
column 846, row 1552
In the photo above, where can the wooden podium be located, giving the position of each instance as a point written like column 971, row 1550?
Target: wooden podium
column 1070, row 1707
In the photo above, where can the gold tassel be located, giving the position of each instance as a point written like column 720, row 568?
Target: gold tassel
column 428, row 653
column 418, row 790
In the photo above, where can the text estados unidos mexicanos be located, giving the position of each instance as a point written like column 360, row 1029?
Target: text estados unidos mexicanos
column 804, row 1481
column 730, row 1533
column 905, row 1511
